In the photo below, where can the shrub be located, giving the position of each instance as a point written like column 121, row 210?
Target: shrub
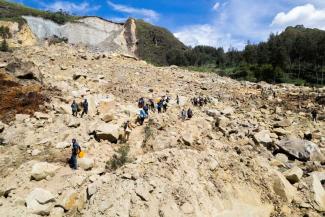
column 4, row 46
column 148, row 131
column 119, row 159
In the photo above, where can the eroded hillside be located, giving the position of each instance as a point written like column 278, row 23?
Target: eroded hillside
column 242, row 154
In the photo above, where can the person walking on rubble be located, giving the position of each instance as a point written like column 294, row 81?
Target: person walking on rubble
column 183, row 114
column 74, row 108
column 142, row 116
column 74, row 154
column 189, row 113
column 85, row 107
column 127, row 130
column 314, row 115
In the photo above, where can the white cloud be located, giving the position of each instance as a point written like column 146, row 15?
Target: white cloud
column 146, row 14
column 82, row 8
column 207, row 35
column 236, row 22
column 216, row 6
column 307, row 15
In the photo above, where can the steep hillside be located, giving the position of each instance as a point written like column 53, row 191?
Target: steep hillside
column 135, row 37
column 244, row 153
column 155, row 42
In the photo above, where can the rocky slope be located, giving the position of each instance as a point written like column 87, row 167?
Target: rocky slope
column 243, row 154
column 92, row 31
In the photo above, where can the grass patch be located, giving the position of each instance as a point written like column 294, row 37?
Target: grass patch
column 119, row 158
column 10, row 11
column 155, row 42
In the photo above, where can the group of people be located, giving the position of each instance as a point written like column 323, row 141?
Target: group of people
column 200, row 101
column 186, row 114
column 145, row 106
column 76, row 108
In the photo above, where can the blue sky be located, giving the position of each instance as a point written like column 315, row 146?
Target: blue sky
column 225, row 23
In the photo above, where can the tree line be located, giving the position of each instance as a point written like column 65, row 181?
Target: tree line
column 297, row 55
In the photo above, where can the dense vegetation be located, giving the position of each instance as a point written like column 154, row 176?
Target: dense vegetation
column 13, row 11
column 154, row 43
column 297, row 56
column 4, row 34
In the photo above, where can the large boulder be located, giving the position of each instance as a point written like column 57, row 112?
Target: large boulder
column 108, row 117
column 318, row 191
column 39, row 201
column 41, row 116
column 222, row 121
column 62, row 145
column 301, row 149
column 281, row 132
column 283, row 123
column 283, row 188
column 42, row 169
column 24, row 70
column 109, row 132
column 213, row 113
column 228, row 111
column 263, row 137
column 294, row 174
column 86, row 163
column 71, row 199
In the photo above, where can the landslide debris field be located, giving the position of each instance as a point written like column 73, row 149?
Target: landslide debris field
column 252, row 151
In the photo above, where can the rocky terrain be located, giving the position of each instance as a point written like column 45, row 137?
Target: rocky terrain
column 94, row 32
column 243, row 154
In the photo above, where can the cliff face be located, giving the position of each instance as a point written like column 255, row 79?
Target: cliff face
column 21, row 35
column 93, row 31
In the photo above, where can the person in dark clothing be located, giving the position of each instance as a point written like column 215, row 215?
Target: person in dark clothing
column 74, row 108
column 74, row 154
column 142, row 116
column 189, row 113
column 165, row 104
column 152, row 105
column 141, row 102
column 85, row 107
column 183, row 114
column 177, row 100
column 314, row 115
column 159, row 106
column 146, row 109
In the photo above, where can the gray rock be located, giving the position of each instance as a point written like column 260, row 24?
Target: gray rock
column 283, row 188
column 282, row 158
column 227, row 111
column 301, row 149
column 281, row 132
column 24, row 70
column 318, row 192
column 36, row 152
column 92, row 189
column 263, row 137
column 213, row 113
column 42, row 170
column 108, row 132
column 86, row 163
column 40, row 116
column 283, row 123
column 39, row 201
column 62, row 145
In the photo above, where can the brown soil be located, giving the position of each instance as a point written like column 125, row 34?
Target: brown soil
column 16, row 98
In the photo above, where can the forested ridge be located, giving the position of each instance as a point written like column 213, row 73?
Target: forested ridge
column 297, row 55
